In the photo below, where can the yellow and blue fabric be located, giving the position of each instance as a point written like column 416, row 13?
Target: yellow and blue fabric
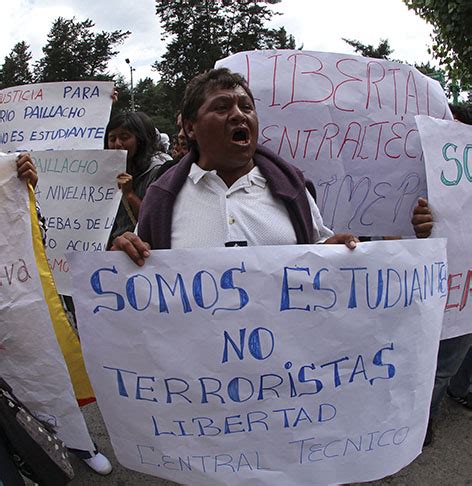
column 66, row 337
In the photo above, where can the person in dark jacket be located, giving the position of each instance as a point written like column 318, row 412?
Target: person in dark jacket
column 227, row 190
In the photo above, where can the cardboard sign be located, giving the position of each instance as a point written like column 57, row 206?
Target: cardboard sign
column 54, row 116
column 348, row 123
column 79, row 198
column 446, row 147
column 30, row 358
column 266, row 365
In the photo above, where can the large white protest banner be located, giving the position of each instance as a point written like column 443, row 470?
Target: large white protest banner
column 79, row 198
column 30, row 358
column 54, row 116
column 348, row 123
column 446, row 147
column 266, row 365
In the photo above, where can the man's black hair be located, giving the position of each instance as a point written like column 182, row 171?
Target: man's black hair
column 462, row 113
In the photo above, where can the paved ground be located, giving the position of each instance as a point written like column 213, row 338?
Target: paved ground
column 448, row 462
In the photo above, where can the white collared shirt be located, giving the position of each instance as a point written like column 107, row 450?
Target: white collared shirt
column 209, row 214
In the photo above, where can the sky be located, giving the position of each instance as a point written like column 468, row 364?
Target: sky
column 317, row 24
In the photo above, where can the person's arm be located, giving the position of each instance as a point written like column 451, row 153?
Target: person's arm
column 114, row 95
column 422, row 219
column 125, row 183
column 26, row 169
column 347, row 239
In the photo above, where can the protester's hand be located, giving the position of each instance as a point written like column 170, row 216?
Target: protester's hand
column 347, row 239
column 125, row 182
column 422, row 219
column 133, row 246
column 26, row 169
column 114, row 95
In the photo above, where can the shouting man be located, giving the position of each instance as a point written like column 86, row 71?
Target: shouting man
column 227, row 190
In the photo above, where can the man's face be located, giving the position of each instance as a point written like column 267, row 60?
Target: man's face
column 183, row 149
column 225, row 129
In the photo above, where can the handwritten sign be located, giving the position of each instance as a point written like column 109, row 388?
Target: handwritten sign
column 264, row 365
column 79, row 198
column 446, row 147
column 54, row 116
column 348, row 123
column 30, row 358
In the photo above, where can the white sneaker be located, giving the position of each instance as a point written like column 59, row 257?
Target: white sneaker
column 99, row 463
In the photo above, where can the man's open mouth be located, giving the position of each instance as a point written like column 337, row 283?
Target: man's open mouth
column 240, row 135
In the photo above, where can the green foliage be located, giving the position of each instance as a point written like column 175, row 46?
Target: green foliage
column 200, row 33
column 451, row 86
column 280, row 39
column 123, row 102
column 433, row 72
column 151, row 98
column 148, row 97
column 15, row 69
column 452, row 34
column 382, row 51
column 204, row 31
column 73, row 52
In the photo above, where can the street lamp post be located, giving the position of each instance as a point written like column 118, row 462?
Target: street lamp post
column 131, row 69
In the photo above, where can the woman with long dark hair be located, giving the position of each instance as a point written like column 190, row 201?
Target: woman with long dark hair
column 134, row 132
